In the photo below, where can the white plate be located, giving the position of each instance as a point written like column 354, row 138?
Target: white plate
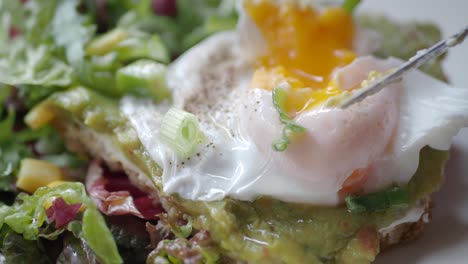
column 445, row 239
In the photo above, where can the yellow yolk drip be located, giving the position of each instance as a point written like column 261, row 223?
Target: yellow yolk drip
column 304, row 47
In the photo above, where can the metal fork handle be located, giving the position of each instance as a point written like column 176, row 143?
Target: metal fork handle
column 416, row 61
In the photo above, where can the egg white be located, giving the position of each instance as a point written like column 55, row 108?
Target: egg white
column 212, row 80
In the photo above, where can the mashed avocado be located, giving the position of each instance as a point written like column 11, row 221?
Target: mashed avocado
column 268, row 230
column 265, row 230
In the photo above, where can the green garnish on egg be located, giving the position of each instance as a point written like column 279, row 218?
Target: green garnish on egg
column 290, row 128
column 180, row 131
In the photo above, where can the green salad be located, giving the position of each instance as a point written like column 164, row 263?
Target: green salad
column 69, row 62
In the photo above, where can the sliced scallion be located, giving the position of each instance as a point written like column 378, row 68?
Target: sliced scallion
column 181, row 132
column 105, row 43
column 145, row 78
column 142, row 47
column 290, row 128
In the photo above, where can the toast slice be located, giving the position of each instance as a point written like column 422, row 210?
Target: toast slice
column 82, row 139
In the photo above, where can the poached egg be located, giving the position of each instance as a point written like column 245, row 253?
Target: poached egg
column 227, row 82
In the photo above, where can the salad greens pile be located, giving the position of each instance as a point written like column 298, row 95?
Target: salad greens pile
column 53, row 45
column 27, row 216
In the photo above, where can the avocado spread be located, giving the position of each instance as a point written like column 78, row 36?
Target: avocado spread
column 268, row 230
column 265, row 230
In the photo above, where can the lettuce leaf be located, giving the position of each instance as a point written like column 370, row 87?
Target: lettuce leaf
column 35, row 62
column 10, row 152
column 23, row 64
column 62, row 213
column 50, row 232
column 28, row 58
column 195, row 20
column 33, row 94
column 10, row 157
column 16, row 145
column 75, row 250
column 8, row 9
column 51, row 35
column 27, row 216
column 131, row 237
column 99, row 238
column 6, row 126
column 16, row 249
column 33, row 20
column 72, row 30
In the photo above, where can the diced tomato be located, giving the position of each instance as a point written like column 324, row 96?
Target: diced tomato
column 354, row 183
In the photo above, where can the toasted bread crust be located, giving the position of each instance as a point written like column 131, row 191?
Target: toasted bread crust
column 406, row 232
column 81, row 139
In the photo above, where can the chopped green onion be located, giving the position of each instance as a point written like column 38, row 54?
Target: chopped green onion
column 180, row 131
column 108, row 62
column 350, row 5
column 290, row 128
column 143, row 47
column 143, row 78
column 393, row 197
column 105, row 43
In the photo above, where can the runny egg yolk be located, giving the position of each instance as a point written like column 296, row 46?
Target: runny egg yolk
column 304, row 46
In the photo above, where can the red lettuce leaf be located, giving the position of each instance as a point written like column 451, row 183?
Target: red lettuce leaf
column 114, row 194
column 62, row 213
